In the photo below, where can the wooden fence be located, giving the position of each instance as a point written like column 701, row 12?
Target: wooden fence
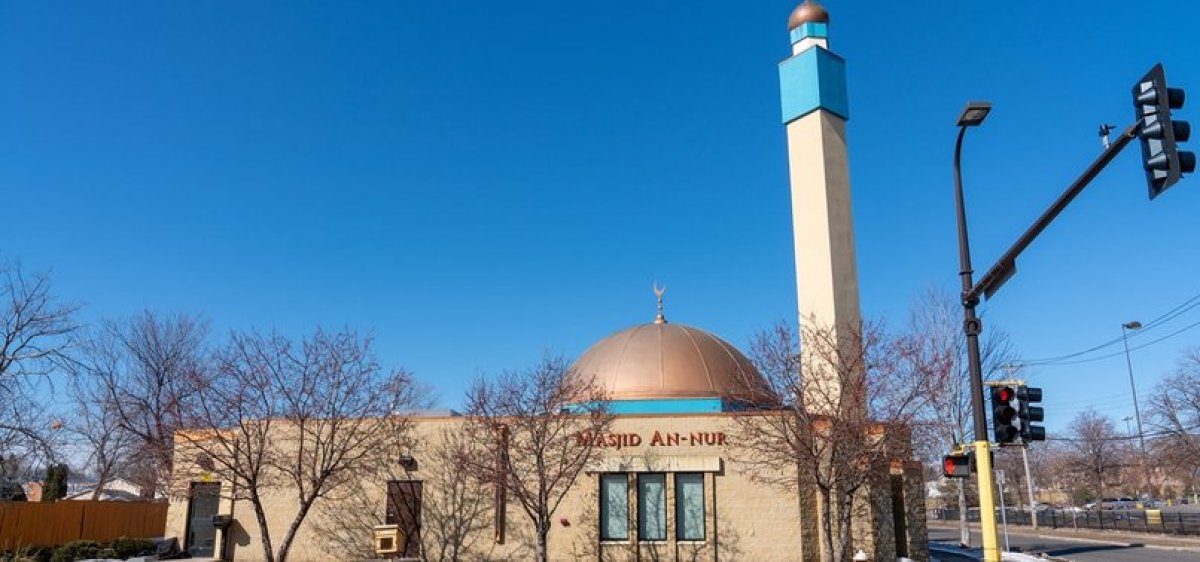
column 53, row 524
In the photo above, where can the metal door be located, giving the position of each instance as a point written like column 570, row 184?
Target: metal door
column 203, row 503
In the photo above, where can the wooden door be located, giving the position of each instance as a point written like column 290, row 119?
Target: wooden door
column 404, row 509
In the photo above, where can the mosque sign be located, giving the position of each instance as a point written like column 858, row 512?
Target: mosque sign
column 657, row 439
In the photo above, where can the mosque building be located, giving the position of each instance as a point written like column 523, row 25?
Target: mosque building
column 667, row 483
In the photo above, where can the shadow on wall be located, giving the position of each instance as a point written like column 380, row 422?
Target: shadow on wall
column 236, row 538
column 453, row 512
column 586, row 546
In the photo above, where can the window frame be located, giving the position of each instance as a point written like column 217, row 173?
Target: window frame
column 666, row 531
column 604, row 513
column 679, row 526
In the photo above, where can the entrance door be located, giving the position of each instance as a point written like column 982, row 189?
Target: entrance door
column 203, row 503
column 404, row 510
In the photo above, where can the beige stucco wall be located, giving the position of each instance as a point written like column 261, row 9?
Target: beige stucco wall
column 746, row 519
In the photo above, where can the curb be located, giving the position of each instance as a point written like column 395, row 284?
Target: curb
column 1114, row 542
column 971, row 553
column 1081, row 539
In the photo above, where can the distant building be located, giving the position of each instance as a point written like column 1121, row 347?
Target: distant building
column 114, row 490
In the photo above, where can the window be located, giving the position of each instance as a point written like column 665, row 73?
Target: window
column 689, row 507
column 652, row 507
column 614, row 507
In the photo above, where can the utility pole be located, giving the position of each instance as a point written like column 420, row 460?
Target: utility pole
column 1029, row 484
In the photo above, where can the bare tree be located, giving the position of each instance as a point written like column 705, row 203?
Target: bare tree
column 1175, row 410
column 1095, row 447
column 35, row 329
column 141, row 370
column 96, row 428
column 940, row 354
column 825, row 435
column 307, row 418
column 455, row 505
column 452, row 510
column 529, row 434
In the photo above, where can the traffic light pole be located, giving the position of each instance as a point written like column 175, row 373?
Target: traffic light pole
column 1006, row 266
column 1004, row 269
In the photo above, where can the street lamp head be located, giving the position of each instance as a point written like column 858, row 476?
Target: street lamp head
column 974, row 113
column 1132, row 325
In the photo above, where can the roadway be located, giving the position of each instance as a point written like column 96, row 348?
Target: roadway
column 1029, row 541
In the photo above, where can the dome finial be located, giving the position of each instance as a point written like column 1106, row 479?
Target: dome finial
column 659, row 292
column 808, row 12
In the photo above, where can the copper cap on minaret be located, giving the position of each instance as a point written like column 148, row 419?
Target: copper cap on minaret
column 807, row 12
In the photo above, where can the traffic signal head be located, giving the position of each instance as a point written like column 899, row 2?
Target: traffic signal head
column 1029, row 412
column 1153, row 101
column 956, row 466
column 1004, row 415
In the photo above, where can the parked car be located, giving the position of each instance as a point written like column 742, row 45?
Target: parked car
column 1111, row 503
column 1118, row 503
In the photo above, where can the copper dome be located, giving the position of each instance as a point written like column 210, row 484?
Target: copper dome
column 662, row 361
column 807, row 12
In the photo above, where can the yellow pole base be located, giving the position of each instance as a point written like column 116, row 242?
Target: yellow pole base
column 987, row 502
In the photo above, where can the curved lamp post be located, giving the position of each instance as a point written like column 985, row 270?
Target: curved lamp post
column 1137, row 412
column 972, row 116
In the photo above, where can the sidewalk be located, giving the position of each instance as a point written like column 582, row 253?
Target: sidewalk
column 1124, row 538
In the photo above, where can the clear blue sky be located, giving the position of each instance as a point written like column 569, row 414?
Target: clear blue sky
column 477, row 182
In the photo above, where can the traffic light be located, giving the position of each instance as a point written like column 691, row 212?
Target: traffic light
column 956, row 466
column 1029, row 413
column 1163, row 161
column 1004, row 415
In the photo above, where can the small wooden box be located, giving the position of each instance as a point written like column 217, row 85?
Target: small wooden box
column 387, row 540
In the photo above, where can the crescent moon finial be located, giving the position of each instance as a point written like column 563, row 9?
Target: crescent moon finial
column 659, row 292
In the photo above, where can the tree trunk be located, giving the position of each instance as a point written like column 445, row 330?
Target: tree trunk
column 261, row 516
column 101, row 480
column 543, row 531
column 826, row 527
column 964, row 533
column 845, row 521
column 286, row 545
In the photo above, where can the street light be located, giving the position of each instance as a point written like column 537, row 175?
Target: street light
column 1125, row 328
column 972, row 116
column 974, row 113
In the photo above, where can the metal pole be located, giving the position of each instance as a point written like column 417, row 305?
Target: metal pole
column 1029, row 484
column 1003, row 510
column 1006, row 266
column 971, row 327
column 1136, row 410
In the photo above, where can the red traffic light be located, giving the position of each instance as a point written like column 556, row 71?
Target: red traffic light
column 1005, row 394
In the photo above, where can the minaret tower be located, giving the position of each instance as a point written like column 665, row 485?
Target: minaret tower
column 815, row 109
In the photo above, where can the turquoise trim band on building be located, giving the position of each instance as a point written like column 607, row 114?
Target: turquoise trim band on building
column 815, row 30
column 667, row 406
column 660, row 406
column 814, row 79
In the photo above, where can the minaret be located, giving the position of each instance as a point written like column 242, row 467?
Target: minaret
column 813, row 90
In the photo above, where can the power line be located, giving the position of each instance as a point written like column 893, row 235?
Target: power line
column 1120, row 353
column 1125, row 437
column 1107, row 356
column 1163, row 318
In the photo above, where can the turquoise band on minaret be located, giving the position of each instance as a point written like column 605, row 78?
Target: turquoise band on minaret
column 816, row 30
column 811, row 80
